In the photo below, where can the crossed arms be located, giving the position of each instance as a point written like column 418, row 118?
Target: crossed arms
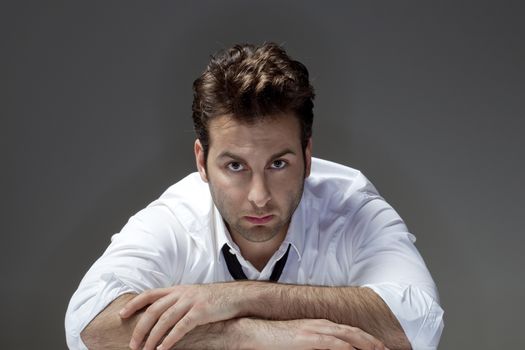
column 247, row 315
column 147, row 254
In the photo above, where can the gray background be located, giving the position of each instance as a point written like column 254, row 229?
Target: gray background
column 426, row 98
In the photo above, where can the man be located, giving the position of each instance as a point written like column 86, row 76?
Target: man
column 198, row 267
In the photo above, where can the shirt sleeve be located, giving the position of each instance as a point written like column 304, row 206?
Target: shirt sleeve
column 386, row 260
column 140, row 257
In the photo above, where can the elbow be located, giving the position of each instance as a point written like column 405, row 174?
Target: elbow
column 423, row 325
column 418, row 313
column 107, row 331
column 87, row 337
column 92, row 336
column 402, row 342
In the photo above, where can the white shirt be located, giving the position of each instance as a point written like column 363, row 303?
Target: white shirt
column 343, row 233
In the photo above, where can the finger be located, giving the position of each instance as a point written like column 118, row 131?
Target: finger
column 326, row 341
column 149, row 319
column 165, row 322
column 141, row 301
column 357, row 337
column 185, row 325
column 353, row 335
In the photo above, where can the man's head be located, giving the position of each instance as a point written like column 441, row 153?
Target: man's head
column 251, row 83
column 253, row 116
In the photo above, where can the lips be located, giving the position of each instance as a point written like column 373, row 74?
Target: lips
column 259, row 220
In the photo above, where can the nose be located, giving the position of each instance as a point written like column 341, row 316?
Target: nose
column 259, row 194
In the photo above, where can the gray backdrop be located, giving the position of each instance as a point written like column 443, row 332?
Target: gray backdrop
column 426, row 98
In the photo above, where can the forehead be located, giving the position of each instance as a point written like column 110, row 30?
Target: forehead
column 275, row 131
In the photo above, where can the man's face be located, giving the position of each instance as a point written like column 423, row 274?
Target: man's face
column 256, row 174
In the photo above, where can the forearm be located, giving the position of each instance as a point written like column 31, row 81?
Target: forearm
column 223, row 335
column 109, row 331
column 355, row 306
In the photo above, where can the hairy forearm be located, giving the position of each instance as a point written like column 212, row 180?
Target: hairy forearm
column 218, row 335
column 108, row 331
column 355, row 306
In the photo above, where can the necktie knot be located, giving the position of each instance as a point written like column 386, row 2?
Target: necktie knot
column 235, row 268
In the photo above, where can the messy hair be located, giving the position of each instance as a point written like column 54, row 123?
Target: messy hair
column 250, row 83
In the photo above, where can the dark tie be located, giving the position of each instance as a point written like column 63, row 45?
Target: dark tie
column 235, row 268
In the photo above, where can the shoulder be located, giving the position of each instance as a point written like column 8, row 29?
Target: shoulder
column 186, row 204
column 346, row 201
column 329, row 179
column 190, row 192
column 334, row 194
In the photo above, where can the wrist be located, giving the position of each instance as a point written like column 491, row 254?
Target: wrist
column 250, row 299
column 260, row 299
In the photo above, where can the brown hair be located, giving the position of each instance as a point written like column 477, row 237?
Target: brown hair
column 250, row 83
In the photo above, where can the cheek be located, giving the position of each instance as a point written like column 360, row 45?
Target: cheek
column 286, row 188
column 227, row 190
column 291, row 178
column 230, row 184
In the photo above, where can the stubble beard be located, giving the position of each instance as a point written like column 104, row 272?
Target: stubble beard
column 256, row 233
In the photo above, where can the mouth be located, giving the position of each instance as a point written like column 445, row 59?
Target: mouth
column 259, row 220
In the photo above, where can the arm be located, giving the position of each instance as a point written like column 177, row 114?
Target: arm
column 177, row 310
column 141, row 257
column 109, row 331
column 354, row 306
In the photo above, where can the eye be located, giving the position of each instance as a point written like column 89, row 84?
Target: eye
column 279, row 164
column 235, row 166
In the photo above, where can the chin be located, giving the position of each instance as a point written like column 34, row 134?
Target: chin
column 259, row 234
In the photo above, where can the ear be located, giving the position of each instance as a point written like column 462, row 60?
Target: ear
column 308, row 157
column 200, row 160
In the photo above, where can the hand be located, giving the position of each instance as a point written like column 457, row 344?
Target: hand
column 180, row 309
column 307, row 334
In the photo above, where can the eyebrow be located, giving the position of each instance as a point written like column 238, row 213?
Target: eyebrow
column 228, row 154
